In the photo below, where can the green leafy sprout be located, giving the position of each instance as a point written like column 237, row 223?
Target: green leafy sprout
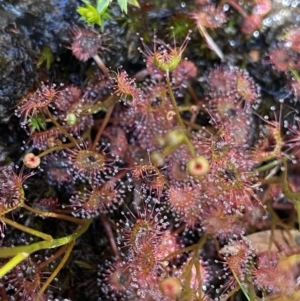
column 37, row 123
column 46, row 57
column 98, row 13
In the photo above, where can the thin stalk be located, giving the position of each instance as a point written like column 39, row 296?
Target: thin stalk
column 55, row 148
column 109, row 234
column 185, row 108
column 169, row 150
column 194, row 115
column 295, row 73
column 56, row 271
column 192, row 125
column 193, row 94
column 53, row 120
column 180, row 251
column 241, row 286
column 251, row 291
column 139, row 76
column 68, row 218
column 100, row 64
column 198, row 273
column 288, row 192
column 190, row 146
column 276, row 221
column 99, row 105
column 12, row 263
column 102, row 127
column 53, row 257
column 194, row 261
column 29, row 249
column 193, row 247
column 272, row 164
column 237, row 7
column 231, row 293
column 210, row 42
column 178, row 117
column 26, row 229
column 187, row 275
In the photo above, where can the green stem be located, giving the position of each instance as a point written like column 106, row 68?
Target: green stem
column 179, row 119
column 193, row 247
column 271, row 164
column 295, row 73
column 276, row 221
column 56, row 271
column 198, row 273
column 12, row 263
column 267, row 166
column 53, row 120
column 184, row 108
column 29, row 249
column 26, row 229
column 55, row 148
column 190, row 146
column 99, row 106
column 180, row 251
column 169, row 150
column 241, row 286
column 288, row 192
column 286, row 189
column 68, row 218
column 251, row 290
column 187, row 274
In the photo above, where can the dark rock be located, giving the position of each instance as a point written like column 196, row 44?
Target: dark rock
column 25, row 27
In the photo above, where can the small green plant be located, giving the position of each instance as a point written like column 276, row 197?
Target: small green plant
column 91, row 14
column 46, row 57
column 98, row 13
column 37, row 123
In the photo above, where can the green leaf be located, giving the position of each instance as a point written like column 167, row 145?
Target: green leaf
column 82, row 11
column 104, row 16
column 89, row 14
column 46, row 57
column 134, row 3
column 123, row 5
column 37, row 122
column 102, row 5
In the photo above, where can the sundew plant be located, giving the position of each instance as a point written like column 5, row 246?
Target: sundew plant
column 172, row 176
